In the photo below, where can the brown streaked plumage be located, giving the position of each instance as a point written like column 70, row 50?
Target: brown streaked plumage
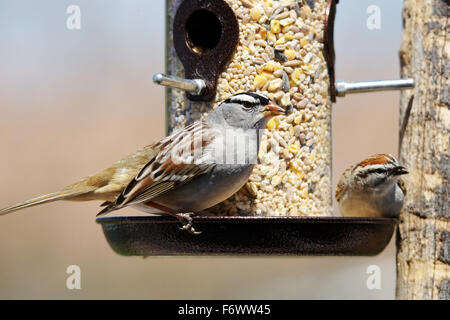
column 115, row 182
column 342, row 185
column 163, row 172
column 184, row 172
column 105, row 185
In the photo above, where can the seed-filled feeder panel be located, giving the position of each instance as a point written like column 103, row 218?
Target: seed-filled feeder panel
column 284, row 50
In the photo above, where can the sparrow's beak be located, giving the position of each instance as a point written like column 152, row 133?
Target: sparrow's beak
column 399, row 170
column 273, row 109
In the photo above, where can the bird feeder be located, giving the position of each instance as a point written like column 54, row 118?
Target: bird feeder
column 283, row 49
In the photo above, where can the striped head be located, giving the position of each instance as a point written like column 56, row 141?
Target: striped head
column 378, row 172
column 374, row 175
column 249, row 110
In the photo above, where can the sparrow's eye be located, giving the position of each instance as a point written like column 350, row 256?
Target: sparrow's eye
column 247, row 104
column 380, row 171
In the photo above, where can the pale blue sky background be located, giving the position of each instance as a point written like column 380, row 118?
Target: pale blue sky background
column 73, row 102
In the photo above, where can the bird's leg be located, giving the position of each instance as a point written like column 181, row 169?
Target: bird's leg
column 184, row 218
column 187, row 221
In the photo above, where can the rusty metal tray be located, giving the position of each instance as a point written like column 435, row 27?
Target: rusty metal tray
column 159, row 235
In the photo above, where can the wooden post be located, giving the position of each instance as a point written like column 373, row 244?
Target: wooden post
column 423, row 257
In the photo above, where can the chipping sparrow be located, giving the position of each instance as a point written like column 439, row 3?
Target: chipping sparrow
column 185, row 172
column 372, row 188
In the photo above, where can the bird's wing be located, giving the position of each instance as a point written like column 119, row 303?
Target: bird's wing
column 401, row 185
column 180, row 157
column 110, row 182
column 342, row 186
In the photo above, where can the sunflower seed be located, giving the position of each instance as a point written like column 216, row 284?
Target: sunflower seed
column 280, row 56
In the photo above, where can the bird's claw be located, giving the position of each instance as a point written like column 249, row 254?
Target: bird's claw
column 190, row 229
column 187, row 221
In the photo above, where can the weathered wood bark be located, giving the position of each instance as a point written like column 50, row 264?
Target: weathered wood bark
column 423, row 258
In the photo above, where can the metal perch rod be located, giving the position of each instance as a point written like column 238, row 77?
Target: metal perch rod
column 195, row 86
column 342, row 87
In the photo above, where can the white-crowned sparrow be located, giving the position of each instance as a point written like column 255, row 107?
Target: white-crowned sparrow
column 372, row 188
column 191, row 170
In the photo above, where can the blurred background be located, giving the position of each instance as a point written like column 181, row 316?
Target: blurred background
column 74, row 101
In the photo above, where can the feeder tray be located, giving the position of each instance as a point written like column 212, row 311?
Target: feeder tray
column 160, row 235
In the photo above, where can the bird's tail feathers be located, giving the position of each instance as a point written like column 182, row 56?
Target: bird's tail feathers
column 109, row 207
column 65, row 194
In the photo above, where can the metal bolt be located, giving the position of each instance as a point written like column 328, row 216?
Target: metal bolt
column 342, row 87
column 194, row 86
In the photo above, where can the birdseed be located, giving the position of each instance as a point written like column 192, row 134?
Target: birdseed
column 279, row 54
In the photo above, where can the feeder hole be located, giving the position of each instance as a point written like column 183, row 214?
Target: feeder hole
column 203, row 31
